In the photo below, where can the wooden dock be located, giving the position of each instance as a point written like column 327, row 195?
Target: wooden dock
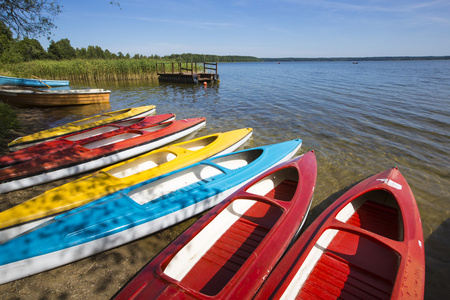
column 187, row 72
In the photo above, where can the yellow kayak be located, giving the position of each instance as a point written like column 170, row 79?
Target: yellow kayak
column 97, row 120
column 117, row 177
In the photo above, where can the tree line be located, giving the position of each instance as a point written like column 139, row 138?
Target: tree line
column 19, row 50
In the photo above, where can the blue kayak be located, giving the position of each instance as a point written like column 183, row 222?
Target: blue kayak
column 4, row 80
column 136, row 211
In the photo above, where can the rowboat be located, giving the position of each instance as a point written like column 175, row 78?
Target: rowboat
column 81, row 138
column 367, row 245
column 136, row 211
column 39, row 209
column 5, row 80
column 83, row 124
column 46, row 98
column 94, row 153
column 229, row 252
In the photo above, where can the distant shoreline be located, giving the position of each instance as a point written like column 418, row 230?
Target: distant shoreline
column 377, row 58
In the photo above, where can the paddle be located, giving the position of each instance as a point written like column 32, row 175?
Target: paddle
column 42, row 82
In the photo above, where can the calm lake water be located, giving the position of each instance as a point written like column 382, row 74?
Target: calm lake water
column 360, row 119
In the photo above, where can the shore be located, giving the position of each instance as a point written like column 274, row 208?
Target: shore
column 96, row 277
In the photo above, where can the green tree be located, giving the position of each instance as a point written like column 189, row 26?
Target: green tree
column 31, row 18
column 95, row 52
column 61, row 49
column 30, row 49
column 108, row 54
column 81, row 53
column 5, row 38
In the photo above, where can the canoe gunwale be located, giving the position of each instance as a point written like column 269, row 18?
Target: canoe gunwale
column 292, row 273
column 127, row 112
column 81, row 242
column 182, row 159
column 287, row 209
column 113, row 155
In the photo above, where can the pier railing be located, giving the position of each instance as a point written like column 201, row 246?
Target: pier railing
column 186, row 68
column 187, row 72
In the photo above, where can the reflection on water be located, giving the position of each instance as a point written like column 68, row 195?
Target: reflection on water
column 360, row 118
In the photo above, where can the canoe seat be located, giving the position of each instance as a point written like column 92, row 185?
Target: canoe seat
column 284, row 191
column 354, row 267
column 377, row 218
column 336, row 278
column 218, row 266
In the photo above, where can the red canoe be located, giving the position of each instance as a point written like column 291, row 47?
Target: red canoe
column 366, row 245
column 230, row 251
column 94, row 153
column 82, row 137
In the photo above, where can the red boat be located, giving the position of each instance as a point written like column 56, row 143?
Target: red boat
column 230, row 251
column 82, row 137
column 94, row 153
column 366, row 245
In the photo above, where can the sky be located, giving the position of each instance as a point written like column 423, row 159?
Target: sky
column 261, row 28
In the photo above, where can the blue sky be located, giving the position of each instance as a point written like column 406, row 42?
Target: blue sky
column 263, row 28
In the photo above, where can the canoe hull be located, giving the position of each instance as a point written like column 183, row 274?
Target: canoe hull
column 370, row 239
column 229, row 252
column 105, row 181
column 70, row 167
column 83, row 137
column 80, row 125
column 4, row 80
column 54, row 98
column 120, row 218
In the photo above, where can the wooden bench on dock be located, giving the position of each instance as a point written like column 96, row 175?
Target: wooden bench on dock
column 187, row 72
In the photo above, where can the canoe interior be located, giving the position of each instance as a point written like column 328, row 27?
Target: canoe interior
column 199, row 143
column 103, row 129
column 124, row 136
column 112, row 140
column 155, row 159
column 349, row 266
column 91, row 133
column 142, row 164
column 192, row 176
column 211, row 259
column 154, row 128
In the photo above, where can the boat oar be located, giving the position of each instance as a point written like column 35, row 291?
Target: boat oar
column 42, row 82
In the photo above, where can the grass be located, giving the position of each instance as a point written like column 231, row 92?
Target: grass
column 85, row 69
column 88, row 70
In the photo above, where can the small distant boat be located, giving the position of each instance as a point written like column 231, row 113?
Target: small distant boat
column 355, row 62
column 84, row 137
column 37, row 210
column 367, row 245
column 94, row 153
column 137, row 211
column 229, row 252
column 77, row 126
column 46, row 98
column 5, row 80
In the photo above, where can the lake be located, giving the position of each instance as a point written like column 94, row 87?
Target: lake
column 360, row 119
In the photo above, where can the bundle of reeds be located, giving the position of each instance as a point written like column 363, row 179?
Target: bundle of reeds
column 86, row 69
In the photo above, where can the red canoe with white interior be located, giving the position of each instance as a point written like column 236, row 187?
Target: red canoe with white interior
column 82, row 137
column 94, row 153
column 230, row 251
column 367, row 245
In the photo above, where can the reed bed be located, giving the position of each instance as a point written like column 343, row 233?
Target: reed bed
column 86, row 69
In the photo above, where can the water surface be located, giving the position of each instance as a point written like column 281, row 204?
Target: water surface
column 360, row 119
